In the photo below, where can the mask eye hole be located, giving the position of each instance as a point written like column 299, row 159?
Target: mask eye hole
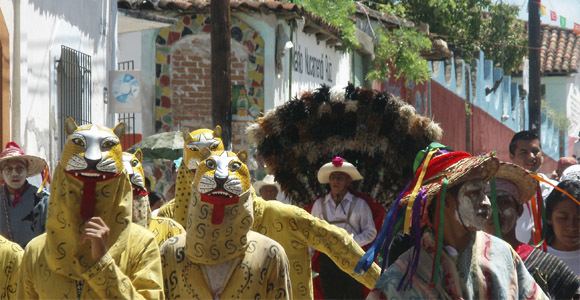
column 214, row 145
column 108, row 144
column 78, row 142
column 211, row 164
column 234, row 166
column 134, row 163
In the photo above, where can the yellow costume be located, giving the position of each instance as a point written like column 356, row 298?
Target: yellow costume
column 292, row 227
column 10, row 258
column 162, row 228
column 219, row 256
column 57, row 264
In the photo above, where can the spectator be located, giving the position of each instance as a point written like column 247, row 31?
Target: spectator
column 563, row 224
column 267, row 188
column 515, row 187
column 343, row 209
column 23, row 205
column 526, row 151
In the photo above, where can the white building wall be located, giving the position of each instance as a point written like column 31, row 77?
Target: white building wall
column 41, row 27
column 7, row 9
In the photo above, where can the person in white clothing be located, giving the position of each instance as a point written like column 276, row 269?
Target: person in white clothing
column 341, row 208
column 526, row 151
column 267, row 188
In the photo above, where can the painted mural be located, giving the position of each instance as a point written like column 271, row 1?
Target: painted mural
column 252, row 91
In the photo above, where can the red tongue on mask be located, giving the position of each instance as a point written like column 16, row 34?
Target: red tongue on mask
column 89, row 194
column 219, row 204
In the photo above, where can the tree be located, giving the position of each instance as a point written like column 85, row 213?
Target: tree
column 469, row 26
column 397, row 52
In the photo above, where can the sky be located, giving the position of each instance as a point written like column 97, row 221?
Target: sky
column 569, row 9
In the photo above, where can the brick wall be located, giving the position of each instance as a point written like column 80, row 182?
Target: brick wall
column 191, row 85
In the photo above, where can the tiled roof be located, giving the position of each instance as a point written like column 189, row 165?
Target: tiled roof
column 203, row 6
column 560, row 53
column 291, row 10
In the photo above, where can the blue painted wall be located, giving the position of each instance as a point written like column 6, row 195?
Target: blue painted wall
column 504, row 104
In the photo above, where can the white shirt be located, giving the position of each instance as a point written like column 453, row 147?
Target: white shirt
column 525, row 222
column 571, row 258
column 360, row 222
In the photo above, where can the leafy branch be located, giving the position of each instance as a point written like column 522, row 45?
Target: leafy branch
column 397, row 52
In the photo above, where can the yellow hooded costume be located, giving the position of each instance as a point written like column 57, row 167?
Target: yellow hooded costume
column 162, row 228
column 90, row 182
column 220, row 257
column 291, row 226
column 10, row 258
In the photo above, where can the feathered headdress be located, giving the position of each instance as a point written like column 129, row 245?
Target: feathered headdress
column 376, row 132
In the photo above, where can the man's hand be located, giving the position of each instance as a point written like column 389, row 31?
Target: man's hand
column 96, row 232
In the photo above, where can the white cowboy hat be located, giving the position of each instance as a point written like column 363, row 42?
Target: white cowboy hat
column 338, row 164
column 267, row 180
column 34, row 164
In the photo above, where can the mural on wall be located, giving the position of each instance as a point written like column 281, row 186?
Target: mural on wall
column 250, row 94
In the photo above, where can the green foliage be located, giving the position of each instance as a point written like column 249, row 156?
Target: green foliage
column 469, row 26
column 506, row 42
column 337, row 13
column 398, row 53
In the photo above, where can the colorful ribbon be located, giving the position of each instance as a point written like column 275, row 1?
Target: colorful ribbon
column 409, row 209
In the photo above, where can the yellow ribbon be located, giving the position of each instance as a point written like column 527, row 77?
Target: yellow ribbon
column 409, row 210
column 44, row 180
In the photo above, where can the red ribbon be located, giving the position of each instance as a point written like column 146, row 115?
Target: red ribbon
column 438, row 164
column 139, row 191
column 219, row 204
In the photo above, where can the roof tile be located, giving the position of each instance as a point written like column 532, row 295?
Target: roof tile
column 560, row 51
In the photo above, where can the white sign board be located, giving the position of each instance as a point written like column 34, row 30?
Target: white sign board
column 125, row 91
column 314, row 63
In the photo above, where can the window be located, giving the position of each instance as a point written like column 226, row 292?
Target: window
column 74, row 88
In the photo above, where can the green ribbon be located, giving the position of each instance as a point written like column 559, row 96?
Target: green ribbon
column 494, row 209
column 422, row 153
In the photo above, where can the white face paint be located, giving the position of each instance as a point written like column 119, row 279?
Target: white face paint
column 474, row 208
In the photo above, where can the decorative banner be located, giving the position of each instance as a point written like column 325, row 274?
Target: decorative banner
column 562, row 22
column 542, row 10
column 125, row 91
column 577, row 28
column 553, row 16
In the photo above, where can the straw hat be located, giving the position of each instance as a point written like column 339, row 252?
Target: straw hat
column 517, row 175
column 457, row 167
column 338, row 164
column 267, row 180
column 12, row 151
